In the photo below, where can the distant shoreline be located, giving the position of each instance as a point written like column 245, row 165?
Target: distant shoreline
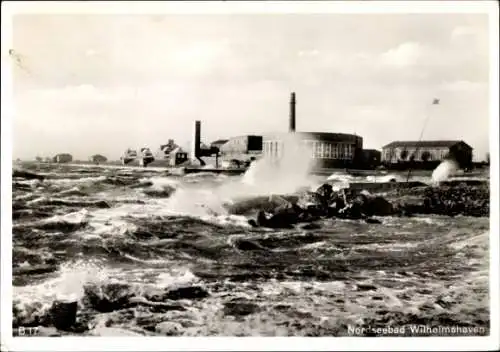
column 162, row 165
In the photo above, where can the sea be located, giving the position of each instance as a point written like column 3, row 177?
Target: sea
column 157, row 254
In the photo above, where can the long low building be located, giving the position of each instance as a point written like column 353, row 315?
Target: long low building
column 328, row 150
column 426, row 153
column 241, row 147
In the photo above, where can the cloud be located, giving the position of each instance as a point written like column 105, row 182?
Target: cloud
column 463, row 86
column 404, row 55
column 132, row 81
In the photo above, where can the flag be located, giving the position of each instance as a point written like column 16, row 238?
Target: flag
column 435, row 101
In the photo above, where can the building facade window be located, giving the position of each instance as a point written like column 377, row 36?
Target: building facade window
column 328, row 151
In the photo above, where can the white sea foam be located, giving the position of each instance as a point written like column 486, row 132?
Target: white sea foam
column 286, row 175
column 77, row 180
column 159, row 182
column 67, row 285
column 77, row 217
column 446, row 169
column 385, row 178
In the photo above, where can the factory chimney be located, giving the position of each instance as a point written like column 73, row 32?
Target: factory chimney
column 292, row 113
column 196, row 146
column 196, row 141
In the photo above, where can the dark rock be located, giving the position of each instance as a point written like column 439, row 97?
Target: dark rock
column 284, row 216
column 457, row 199
column 372, row 221
column 378, row 206
column 261, row 218
column 351, row 211
column 251, row 206
column 63, row 314
column 109, row 297
column 325, row 193
column 307, row 216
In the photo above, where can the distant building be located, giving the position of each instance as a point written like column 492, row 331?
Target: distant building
column 98, row 159
column 177, row 157
column 128, row 156
column 62, row 158
column 370, row 158
column 165, row 149
column 328, row 150
column 146, row 156
column 242, row 147
column 426, row 153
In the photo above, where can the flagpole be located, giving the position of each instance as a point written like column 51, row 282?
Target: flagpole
column 434, row 102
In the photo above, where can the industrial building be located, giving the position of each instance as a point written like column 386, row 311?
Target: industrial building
column 177, row 157
column 426, row 154
column 165, row 149
column 242, row 147
column 371, row 158
column 328, row 150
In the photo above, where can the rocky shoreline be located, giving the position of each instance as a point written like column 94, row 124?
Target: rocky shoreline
column 287, row 211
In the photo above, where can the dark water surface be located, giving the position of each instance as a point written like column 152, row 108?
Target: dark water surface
column 149, row 254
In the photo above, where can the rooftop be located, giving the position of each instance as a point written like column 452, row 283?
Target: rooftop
column 220, row 141
column 424, row 144
column 327, row 136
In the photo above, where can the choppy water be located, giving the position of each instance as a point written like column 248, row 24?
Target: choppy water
column 136, row 232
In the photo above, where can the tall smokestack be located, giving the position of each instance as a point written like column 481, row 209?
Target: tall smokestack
column 292, row 113
column 196, row 140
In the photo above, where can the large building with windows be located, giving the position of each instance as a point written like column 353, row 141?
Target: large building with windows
column 426, row 153
column 328, row 150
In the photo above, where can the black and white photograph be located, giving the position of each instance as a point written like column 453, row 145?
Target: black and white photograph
column 282, row 169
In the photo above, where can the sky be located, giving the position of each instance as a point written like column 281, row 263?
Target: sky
column 87, row 84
